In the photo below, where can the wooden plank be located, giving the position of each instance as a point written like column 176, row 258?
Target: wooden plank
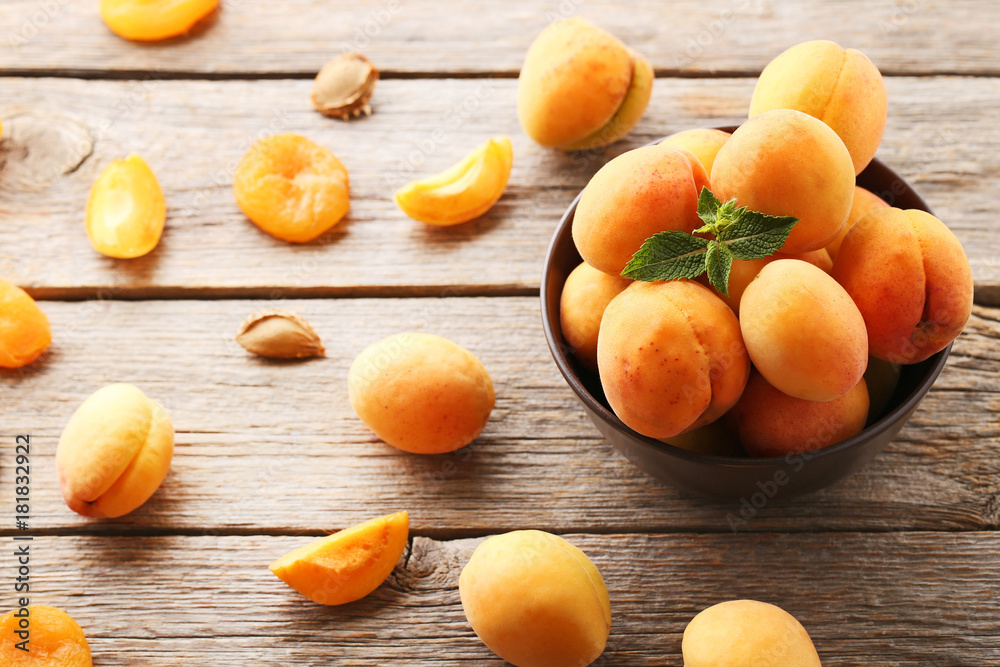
column 895, row 599
column 940, row 138
column 416, row 36
column 271, row 447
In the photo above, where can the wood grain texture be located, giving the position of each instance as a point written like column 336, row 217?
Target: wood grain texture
column 417, row 36
column 940, row 137
column 895, row 599
column 274, row 447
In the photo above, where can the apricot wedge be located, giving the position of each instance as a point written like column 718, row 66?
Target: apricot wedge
column 465, row 191
column 153, row 20
column 348, row 565
column 126, row 211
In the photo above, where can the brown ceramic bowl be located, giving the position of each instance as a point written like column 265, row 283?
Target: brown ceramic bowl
column 728, row 477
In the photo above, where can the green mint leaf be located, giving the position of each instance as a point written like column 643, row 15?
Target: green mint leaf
column 667, row 256
column 708, row 209
column 752, row 235
column 719, row 261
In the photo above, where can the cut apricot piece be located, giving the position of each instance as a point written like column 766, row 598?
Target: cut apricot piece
column 24, row 328
column 292, row 188
column 54, row 639
column 348, row 565
column 465, row 191
column 126, row 211
column 153, row 20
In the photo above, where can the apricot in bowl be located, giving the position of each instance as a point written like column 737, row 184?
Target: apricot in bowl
column 730, row 477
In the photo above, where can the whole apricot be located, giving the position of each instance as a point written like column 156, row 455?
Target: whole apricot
column 839, row 86
column 803, row 332
column 153, row 20
column 747, row 633
column 671, row 357
column 24, row 329
column 585, row 295
column 911, row 280
column 771, row 423
column 54, row 639
column 743, row 271
column 786, row 162
column 639, row 193
column 114, row 452
column 536, row 600
column 703, row 142
column 881, row 377
column 864, row 202
column 581, row 88
column 421, row 393
column 126, row 211
column 292, row 188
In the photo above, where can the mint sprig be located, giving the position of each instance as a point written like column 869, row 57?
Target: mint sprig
column 738, row 232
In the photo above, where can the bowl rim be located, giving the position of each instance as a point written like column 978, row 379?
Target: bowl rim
column 559, row 354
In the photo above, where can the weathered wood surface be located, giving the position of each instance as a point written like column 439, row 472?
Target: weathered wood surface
column 250, row 37
column 940, row 137
column 892, row 599
column 274, row 447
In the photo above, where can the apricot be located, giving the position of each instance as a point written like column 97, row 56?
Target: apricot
column 911, row 280
column 715, row 439
column 803, row 332
column 671, row 357
column 840, row 87
column 639, row 193
column 421, row 393
column 864, row 203
column 771, row 423
column 126, row 211
column 291, row 188
column 585, row 295
column 536, row 600
column 114, row 452
column 153, row 20
column 465, row 191
column 24, row 329
column 349, row 564
column 55, row 639
column 747, row 633
column 881, row 377
column 703, row 142
column 580, row 88
column 786, row 162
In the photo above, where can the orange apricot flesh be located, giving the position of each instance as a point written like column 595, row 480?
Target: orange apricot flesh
column 54, row 639
column 24, row 329
column 154, row 20
column 347, row 565
column 126, row 211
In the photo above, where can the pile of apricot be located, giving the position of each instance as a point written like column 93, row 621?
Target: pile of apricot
column 857, row 288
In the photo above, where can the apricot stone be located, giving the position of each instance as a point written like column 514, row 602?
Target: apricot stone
column 536, row 600
column 580, row 87
column 840, row 87
column 803, row 331
column 771, row 423
column 786, row 162
column 671, row 357
column 585, row 295
column 703, row 142
column 639, row 193
column 864, row 203
column 911, row 280
column 747, row 633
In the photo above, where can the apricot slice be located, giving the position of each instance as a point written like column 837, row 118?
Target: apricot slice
column 54, row 639
column 463, row 192
column 24, row 328
column 347, row 565
column 114, row 452
column 580, row 87
column 153, row 20
column 126, row 211
column 292, row 188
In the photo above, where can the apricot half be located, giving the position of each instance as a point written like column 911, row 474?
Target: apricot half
column 839, row 86
column 580, row 87
column 153, row 20
column 465, row 191
column 52, row 637
column 349, row 564
column 24, row 329
column 536, row 600
column 126, row 211
column 292, row 188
